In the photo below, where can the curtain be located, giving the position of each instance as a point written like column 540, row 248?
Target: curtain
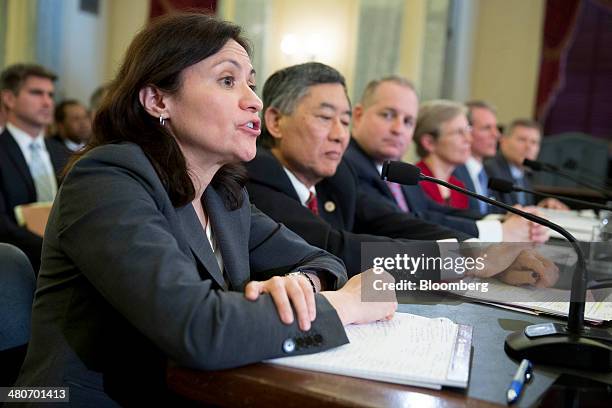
column 559, row 25
column 576, row 71
column 20, row 34
column 380, row 26
column 253, row 16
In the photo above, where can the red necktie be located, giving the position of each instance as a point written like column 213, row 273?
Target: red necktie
column 312, row 204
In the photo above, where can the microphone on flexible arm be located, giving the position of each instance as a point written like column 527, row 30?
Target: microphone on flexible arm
column 546, row 343
column 551, row 168
column 506, row 186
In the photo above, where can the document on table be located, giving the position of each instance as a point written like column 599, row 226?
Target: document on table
column 579, row 225
column 548, row 300
column 33, row 216
column 408, row 349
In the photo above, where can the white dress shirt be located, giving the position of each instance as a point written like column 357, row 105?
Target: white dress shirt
column 302, row 191
column 24, row 140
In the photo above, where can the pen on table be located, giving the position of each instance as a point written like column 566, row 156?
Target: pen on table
column 523, row 375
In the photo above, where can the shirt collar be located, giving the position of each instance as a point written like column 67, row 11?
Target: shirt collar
column 516, row 172
column 74, row 147
column 473, row 166
column 23, row 139
column 302, row 191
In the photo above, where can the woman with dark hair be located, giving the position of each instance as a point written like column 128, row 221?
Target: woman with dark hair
column 152, row 250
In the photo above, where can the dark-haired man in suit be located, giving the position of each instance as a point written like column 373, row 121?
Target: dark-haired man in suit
column 300, row 179
column 521, row 141
column 73, row 124
column 29, row 163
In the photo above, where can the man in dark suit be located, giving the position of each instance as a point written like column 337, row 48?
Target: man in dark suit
column 73, row 124
column 483, row 119
column 29, row 163
column 383, row 125
column 2, row 117
column 520, row 142
column 300, row 179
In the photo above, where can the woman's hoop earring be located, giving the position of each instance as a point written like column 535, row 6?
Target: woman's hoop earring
column 162, row 120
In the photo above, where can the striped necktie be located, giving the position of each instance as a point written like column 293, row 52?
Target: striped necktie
column 313, row 204
column 483, row 180
column 520, row 195
column 43, row 182
column 398, row 195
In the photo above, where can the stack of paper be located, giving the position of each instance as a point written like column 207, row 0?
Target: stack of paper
column 408, row 349
column 548, row 300
column 575, row 223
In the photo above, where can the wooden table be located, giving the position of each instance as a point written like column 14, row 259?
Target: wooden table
column 264, row 385
column 491, row 371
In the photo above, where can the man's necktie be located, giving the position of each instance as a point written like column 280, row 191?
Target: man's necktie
column 40, row 174
column 313, row 204
column 398, row 195
column 483, row 180
column 521, row 196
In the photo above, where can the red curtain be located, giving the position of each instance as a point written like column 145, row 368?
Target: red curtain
column 160, row 7
column 559, row 26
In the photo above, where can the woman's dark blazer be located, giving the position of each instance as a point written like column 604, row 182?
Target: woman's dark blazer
column 128, row 281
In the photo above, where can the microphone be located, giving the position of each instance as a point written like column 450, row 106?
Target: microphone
column 546, row 343
column 506, row 186
column 551, row 168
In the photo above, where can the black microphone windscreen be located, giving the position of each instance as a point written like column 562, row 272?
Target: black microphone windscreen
column 532, row 164
column 501, row 185
column 401, row 173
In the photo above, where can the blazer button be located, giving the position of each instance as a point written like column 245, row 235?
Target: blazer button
column 289, row 346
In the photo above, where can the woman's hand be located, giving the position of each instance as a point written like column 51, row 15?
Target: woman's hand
column 287, row 291
column 352, row 310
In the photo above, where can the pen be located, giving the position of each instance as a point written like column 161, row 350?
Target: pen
column 522, row 376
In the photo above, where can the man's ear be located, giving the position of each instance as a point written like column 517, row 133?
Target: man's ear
column 272, row 118
column 7, row 98
column 357, row 115
column 152, row 100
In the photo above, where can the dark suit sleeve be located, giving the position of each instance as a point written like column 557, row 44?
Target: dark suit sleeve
column 11, row 233
column 313, row 229
column 377, row 216
column 267, row 236
column 111, row 227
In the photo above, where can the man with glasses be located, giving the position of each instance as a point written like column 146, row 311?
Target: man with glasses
column 482, row 116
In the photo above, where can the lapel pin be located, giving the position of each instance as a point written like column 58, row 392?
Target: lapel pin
column 329, row 206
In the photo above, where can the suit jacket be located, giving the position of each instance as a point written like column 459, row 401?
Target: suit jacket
column 348, row 216
column 462, row 173
column 128, row 280
column 17, row 187
column 498, row 167
column 419, row 204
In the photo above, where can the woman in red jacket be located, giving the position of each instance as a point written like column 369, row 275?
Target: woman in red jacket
column 443, row 138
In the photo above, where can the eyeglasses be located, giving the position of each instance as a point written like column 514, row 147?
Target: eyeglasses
column 465, row 131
